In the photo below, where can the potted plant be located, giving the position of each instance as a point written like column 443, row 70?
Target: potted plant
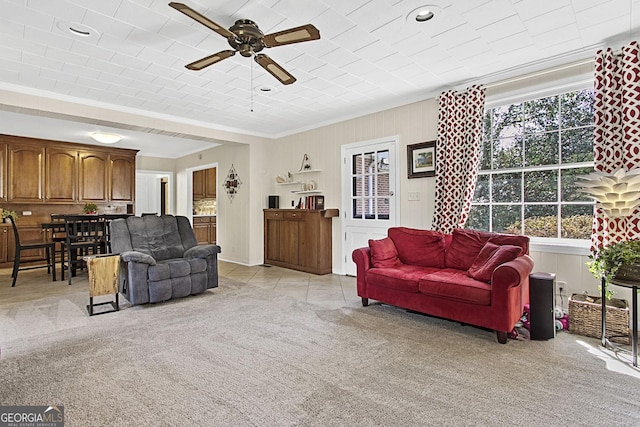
column 90, row 208
column 620, row 260
column 9, row 215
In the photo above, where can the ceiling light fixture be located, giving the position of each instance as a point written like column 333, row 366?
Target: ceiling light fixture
column 423, row 13
column 105, row 137
column 77, row 29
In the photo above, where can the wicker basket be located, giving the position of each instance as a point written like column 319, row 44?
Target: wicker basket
column 585, row 318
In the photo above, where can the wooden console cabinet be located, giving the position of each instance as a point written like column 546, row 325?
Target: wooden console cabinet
column 298, row 239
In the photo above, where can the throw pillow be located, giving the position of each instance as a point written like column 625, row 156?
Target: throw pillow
column 489, row 258
column 418, row 247
column 383, row 253
column 464, row 248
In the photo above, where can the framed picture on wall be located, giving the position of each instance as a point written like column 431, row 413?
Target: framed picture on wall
column 421, row 160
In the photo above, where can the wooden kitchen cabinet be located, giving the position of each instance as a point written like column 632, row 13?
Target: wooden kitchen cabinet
column 61, row 175
column 93, row 176
column 122, row 174
column 204, row 184
column 26, row 172
column 198, row 185
column 204, row 228
column 298, row 239
column 210, row 183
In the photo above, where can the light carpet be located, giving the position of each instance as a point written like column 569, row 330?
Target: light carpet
column 240, row 355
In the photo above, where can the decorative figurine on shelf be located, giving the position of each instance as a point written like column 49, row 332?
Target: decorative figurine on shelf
column 306, row 164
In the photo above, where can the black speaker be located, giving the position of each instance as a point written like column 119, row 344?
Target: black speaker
column 542, row 297
column 274, row 202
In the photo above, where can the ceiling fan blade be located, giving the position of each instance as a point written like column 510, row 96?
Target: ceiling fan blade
column 274, row 69
column 180, row 7
column 210, row 60
column 292, row 35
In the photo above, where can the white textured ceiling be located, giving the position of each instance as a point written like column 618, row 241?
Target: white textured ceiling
column 370, row 56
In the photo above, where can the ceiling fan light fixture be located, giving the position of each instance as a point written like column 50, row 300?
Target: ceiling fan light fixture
column 106, row 137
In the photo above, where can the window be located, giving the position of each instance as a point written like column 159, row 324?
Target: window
column 532, row 154
column 370, row 185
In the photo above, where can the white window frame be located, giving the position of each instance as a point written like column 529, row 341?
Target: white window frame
column 546, row 244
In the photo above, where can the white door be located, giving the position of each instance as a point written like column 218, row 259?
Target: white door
column 369, row 203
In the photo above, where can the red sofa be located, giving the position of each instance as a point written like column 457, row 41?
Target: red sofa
column 472, row 277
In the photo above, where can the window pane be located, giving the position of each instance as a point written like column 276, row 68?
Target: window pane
column 486, row 122
column 541, row 186
column 507, row 187
column 383, row 184
column 369, row 163
column 577, row 145
column 507, row 153
column 541, row 149
column 541, row 115
column 485, row 155
column 383, row 161
column 577, row 221
column 357, row 208
column 383, row 208
column 541, row 220
column 482, row 189
column 569, row 191
column 369, row 185
column 507, row 121
column 369, row 208
column 478, row 218
column 507, row 219
column 357, row 164
column 357, row 186
column 577, row 108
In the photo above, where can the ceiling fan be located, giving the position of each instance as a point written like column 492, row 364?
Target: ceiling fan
column 246, row 38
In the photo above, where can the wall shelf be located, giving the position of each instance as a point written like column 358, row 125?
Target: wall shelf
column 307, row 192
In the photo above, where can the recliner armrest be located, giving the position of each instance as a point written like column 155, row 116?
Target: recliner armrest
column 135, row 256
column 202, row 251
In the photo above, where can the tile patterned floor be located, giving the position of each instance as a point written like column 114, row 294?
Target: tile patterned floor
column 328, row 291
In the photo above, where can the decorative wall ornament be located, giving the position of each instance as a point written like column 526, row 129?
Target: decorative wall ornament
column 232, row 183
column 306, row 164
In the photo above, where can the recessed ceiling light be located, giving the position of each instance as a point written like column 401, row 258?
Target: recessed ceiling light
column 265, row 89
column 106, row 137
column 77, row 29
column 423, row 13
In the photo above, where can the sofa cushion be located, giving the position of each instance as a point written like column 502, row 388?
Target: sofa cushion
column 172, row 268
column 464, row 248
column 489, row 258
column 454, row 284
column 512, row 239
column 383, row 253
column 403, row 277
column 418, row 247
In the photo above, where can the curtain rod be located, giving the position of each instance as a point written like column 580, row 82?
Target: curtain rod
column 539, row 73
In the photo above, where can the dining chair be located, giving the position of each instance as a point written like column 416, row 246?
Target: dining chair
column 84, row 235
column 49, row 251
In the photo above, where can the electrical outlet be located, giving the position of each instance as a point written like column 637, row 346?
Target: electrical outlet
column 561, row 286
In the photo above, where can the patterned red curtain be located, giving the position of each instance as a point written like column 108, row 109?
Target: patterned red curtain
column 616, row 142
column 458, row 148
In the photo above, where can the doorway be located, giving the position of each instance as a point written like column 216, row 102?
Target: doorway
column 370, row 205
column 153, row 192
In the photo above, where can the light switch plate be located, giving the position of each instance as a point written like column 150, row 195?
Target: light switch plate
column 414, row 196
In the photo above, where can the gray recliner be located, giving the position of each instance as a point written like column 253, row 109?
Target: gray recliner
column 160, row 258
